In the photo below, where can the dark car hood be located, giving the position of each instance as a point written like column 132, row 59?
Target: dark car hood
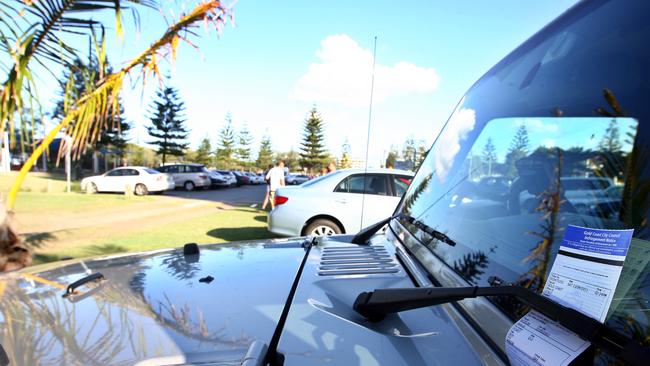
column 150, row 307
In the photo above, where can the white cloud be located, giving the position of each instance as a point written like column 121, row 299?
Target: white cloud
column 343, row 75
column 447, row 147
column 537, row 125
column 549, row 143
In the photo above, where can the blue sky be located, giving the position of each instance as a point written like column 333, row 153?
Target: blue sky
column 282, row 57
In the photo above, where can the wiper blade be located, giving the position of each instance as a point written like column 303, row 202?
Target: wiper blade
column 375, row 305
column 363, row 236
column 429, row 230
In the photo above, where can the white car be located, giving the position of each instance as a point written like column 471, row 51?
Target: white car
column 188, row 176
column 139, row 179
column 332, row 204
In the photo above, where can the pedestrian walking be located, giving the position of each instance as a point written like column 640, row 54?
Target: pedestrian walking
column 276, row 180
column 268, row 187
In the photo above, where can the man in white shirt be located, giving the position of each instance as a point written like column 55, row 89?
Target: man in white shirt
column 275, row 177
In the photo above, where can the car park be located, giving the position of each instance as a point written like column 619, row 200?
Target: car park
column 339, row 202
column 253, row 178
column 217, row 179
column 296, row 179
column 188, row 176
column 448, row 280
column 139, row 180
column 230, row 177
column 242, row 179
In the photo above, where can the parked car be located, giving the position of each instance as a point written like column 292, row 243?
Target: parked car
column 583, row 193
column 188, row 176
column 442, row 285
column 296, row 179
column 139, row 179
column 217, row 179
column 339, row 202
column 231, row 178
column 254, row 178
column 242, row 179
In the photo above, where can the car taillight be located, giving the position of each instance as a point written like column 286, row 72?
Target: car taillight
column 281, row 200
column 203, row 176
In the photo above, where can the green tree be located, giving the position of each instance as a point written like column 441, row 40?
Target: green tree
column 78, row 79
column 313, row 154
column 244, row 142
column 391, row 159
column 489, row 155
column 344, row 162
column 409, row 151
column 203, row 154
column 227, row 142
column 265, row 154
column 611, row 140
column 291, row 160
column 518, row 149
column 168, row 124
column 421, row 152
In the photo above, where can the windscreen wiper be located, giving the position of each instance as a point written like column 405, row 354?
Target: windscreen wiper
column 375, row 305
column 365, row 234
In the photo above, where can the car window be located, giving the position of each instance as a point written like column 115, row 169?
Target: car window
column 171, row 169
column 115, row 173
column 151, row 171
column 401, row 184
column 162, row 169
column 130, row 172
column 370, row 184
column 515, row 230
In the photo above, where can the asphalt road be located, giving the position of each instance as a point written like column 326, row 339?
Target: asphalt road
column 236, row 195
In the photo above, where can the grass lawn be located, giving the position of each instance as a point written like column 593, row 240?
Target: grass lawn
column 72, row 202
column 239, row 223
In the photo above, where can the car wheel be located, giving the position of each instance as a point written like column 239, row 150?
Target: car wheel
column 322, row 227
column 141, row 190
column 189, row 185
column 93, row 188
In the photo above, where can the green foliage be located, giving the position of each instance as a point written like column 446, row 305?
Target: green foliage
column 226, row 147
column 140, row 156
column 81, row 78
column 489, row 156
column 244, row 142
column 421, row 154
column 292, row 160
column 409, row 152
column 313, row 154
column 167, row 124
column 203, row 154
column 344, row 162
column 391, row 159
column 611, row 140
column 265, row 154
column 518, row 149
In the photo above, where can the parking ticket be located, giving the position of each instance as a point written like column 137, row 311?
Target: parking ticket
column 583, row 277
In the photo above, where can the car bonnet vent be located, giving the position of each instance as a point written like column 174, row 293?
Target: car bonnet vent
column 370, row 259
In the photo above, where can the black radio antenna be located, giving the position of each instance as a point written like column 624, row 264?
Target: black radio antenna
column 365, row 169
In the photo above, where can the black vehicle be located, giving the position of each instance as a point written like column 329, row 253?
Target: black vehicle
column 451, row 274
column 242, row 179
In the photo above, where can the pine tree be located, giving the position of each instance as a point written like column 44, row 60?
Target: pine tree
column 313, row 154
column 344, row 162
column 226, row 147
column 265, row 154
column 611, row 139
column 518, row 149
column 422, row 152
column 204, row 152
column 244, row 146
column 489, row 155
column 75, row 83
column 168, row 123
column 408, row 153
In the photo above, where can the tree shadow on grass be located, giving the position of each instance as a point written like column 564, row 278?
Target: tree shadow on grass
column 37, row 240
column 40, row 258
column 241, row 233
column 261, row 218
column 104, row 249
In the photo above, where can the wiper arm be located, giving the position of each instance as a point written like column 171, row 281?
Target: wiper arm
column 429, row 230
column 375, row 305
column 365, row 234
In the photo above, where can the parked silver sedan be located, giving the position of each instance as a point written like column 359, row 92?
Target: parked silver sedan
column 332, row 204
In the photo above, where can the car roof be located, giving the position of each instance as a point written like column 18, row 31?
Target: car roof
column 376, row 170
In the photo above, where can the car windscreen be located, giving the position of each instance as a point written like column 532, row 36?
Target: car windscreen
column 511, row 233
column 151, row 171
